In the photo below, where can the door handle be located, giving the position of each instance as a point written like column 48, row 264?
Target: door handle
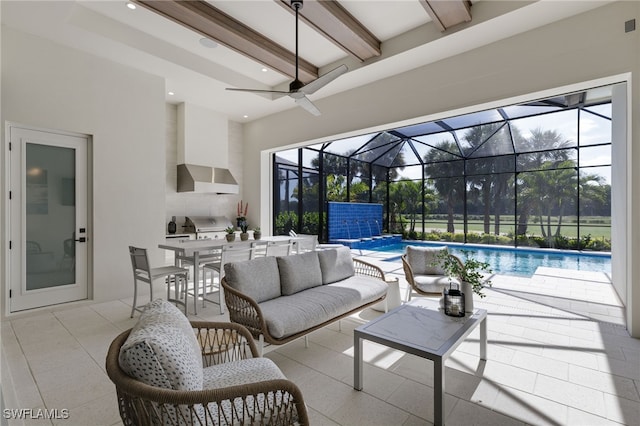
column 82, row 240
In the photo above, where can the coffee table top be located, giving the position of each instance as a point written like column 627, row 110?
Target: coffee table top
column 420, row 327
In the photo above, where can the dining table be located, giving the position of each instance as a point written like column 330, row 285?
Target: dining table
column 193, row 251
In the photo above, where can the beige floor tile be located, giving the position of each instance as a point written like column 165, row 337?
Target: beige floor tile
column 363, row 409
column 605, row 382
column 417, row 399
column 316, row 418
column 582, row 418
column 530, row 408
column 324, row 394
column 570, row 394
column 467, row 413
column 622, row 410
column 98, row 412
column 542, row 365
column 82, row 382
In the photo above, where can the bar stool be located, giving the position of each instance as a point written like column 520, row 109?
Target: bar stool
column 230, row 253
column 142, row 271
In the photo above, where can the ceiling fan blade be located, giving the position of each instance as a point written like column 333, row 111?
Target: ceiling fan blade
column 323, row 80
column 305, row 103
column 278, row 92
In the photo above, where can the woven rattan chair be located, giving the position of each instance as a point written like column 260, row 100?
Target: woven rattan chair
column 271, row 402
column 424, row 276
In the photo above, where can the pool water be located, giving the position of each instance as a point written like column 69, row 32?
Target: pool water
column 517, row 261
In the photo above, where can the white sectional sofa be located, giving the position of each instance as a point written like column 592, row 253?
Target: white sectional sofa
column 284, row 298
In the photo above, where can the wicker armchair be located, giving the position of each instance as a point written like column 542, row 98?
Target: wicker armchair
column 425, row 278
column 269, row 402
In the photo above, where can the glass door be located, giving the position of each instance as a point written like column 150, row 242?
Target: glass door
column 48, row 218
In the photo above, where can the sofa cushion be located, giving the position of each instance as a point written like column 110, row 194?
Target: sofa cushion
column 288, row 315
column 336, row 264
column 424, row 260
column 299, row 272
column 258, row 278
column 162, row 349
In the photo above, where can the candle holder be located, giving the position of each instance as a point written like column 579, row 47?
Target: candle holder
column 453, row 302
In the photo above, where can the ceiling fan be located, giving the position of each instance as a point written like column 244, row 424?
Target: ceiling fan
column 298, row 90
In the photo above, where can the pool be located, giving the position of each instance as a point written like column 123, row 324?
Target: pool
column 517, row 261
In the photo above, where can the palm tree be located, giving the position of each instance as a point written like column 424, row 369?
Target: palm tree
column 543, row 150
column 553, row 189
column 447, row 177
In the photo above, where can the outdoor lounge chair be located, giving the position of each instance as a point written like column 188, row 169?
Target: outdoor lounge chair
column 424, row 275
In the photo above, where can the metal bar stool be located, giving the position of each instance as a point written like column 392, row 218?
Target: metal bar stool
column 142, row 271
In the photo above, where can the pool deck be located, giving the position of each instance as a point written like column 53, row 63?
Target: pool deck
column 561, row 292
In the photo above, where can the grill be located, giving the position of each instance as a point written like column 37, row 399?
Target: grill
column 207, row 226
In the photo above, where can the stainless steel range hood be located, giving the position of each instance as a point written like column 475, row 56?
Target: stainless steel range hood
column 206, row 179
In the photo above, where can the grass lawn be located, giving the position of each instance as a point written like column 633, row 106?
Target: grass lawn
column 588, row 226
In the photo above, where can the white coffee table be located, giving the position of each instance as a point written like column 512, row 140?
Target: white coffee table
column 420, row 328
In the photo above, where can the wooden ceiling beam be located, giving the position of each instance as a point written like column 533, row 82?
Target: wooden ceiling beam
column 211, row 22
column 447, row 13
column 336, row 24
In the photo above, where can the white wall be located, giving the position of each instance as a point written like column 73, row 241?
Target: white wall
column 50, row 86
column 181, row 204
column 582, row 48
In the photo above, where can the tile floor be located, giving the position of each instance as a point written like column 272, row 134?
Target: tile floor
column 558, row 355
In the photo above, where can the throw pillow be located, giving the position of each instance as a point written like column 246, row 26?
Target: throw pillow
column 258, row 278
column 424, row 260
column 336, row 265
column 299, row 272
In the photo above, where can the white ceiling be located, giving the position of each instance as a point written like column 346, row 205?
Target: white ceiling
column 144, row 40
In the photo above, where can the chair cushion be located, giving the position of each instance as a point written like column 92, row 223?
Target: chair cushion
column 162, row 349
column 240, row 372
column 423, row 260
column 336, row 264
column 244, row 372
column 433, row 283
column 258, row 278
column 299, row 272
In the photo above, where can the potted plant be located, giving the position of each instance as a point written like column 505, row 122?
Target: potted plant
column 257, row 234
column 244, row 235
column 231, row 234
column 470, row 272
column 241, row 211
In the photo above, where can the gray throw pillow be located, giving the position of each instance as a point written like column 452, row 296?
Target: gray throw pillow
column 336, row 264
column 258, row 278
column 424, row 260
column 299, row 272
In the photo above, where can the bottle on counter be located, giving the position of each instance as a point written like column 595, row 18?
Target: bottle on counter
column 172, row 225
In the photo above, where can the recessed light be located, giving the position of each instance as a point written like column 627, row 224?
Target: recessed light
column 170, row 93
column 207, row 42
column 264, row 70
column 131, row 6
column 245, row 116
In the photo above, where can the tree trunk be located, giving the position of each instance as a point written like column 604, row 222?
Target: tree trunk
column 450, row 227
column 486, row 201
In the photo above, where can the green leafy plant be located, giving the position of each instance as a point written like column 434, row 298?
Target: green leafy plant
column 469, row 270
column 244, row 227
column 230, row 230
